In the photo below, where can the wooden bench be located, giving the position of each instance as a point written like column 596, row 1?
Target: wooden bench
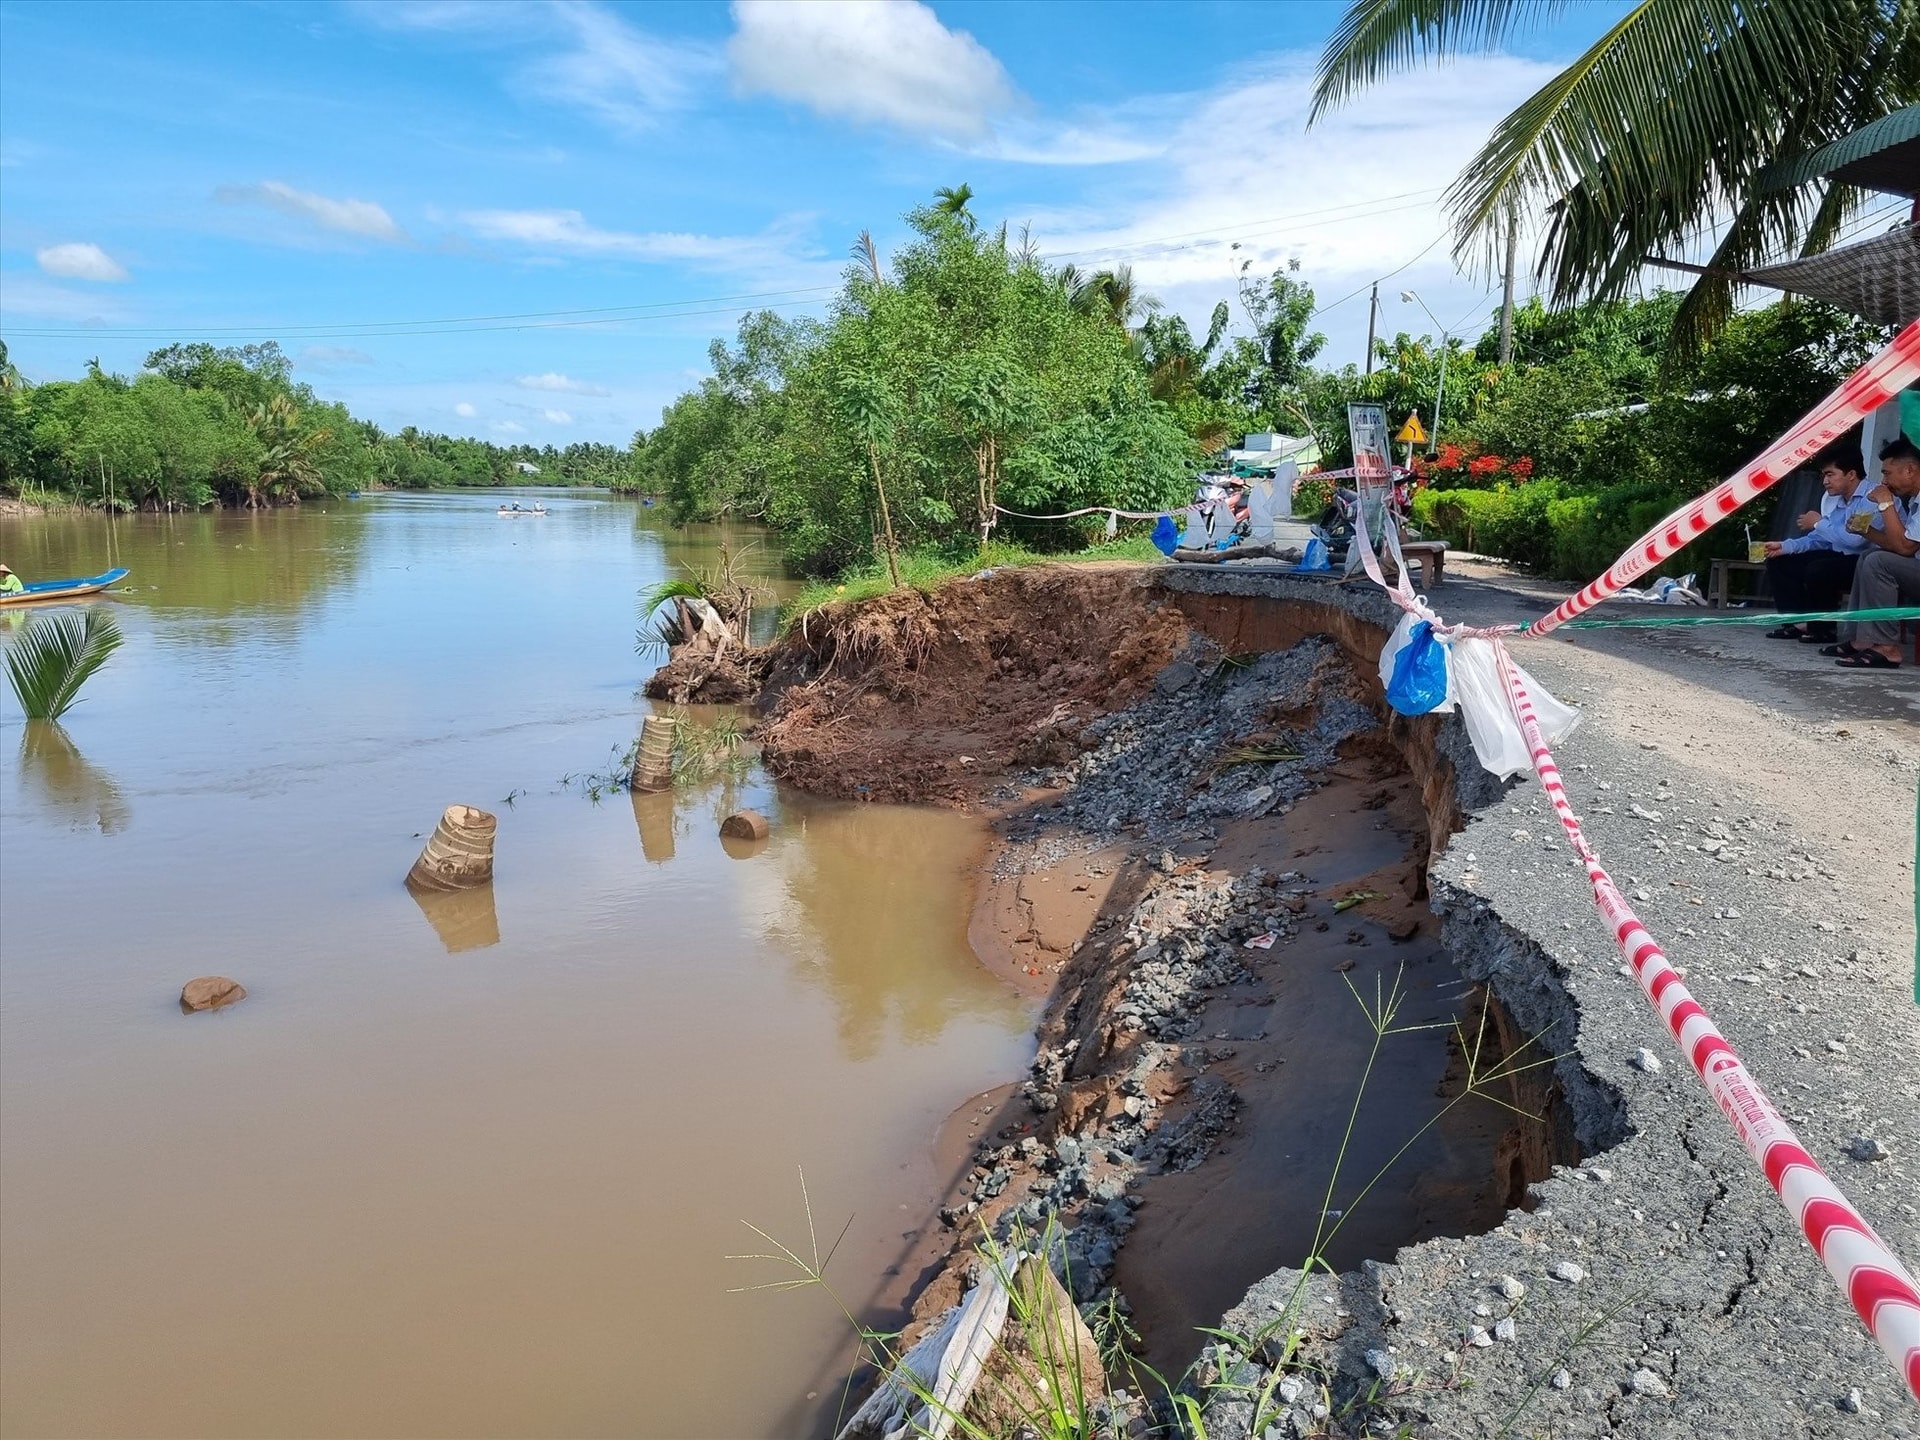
column 1430, row 556
column 1721, row 572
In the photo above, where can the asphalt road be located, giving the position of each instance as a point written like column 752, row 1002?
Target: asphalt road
column 1699, row 1309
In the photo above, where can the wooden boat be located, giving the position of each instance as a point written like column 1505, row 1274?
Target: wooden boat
column 65, row 589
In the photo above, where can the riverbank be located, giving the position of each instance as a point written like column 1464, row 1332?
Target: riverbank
column 1148, row 1097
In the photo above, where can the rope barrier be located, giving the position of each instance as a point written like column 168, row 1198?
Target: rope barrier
column 1764, row 617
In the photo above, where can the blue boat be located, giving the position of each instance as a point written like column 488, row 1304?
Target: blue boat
column 64, row 589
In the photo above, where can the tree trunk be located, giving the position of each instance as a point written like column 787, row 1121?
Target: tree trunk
column 886, row 516
column 1506, row 302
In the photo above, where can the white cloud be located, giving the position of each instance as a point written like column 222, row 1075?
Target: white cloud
column 348, row 217
column 326, row 357
column 465, row 411
column 889, row 62
column 558, row 417
column 625, row 76
column 1242, row 180
column 560, row 384
column 509, row 427
column 80, row 260
column 573, row 53
column 778, row 255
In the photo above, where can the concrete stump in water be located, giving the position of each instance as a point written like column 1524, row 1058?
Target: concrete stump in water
column 744, row 825
column 459, row 853
column 653, row 764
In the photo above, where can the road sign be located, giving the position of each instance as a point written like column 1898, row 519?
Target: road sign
column 1412, row 433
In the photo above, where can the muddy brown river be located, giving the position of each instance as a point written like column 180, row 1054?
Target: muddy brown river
column 462, row 1172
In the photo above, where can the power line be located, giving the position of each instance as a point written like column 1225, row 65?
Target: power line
column 452, row 325
column 1220, row 230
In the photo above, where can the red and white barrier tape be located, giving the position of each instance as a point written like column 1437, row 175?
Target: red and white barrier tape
column 1865, row 391
column 1868, row 1273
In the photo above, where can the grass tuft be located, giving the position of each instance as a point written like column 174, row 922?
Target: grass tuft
column 929, row 569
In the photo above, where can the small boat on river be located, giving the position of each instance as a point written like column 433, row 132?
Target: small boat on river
column 64, row 589
column 515, row 509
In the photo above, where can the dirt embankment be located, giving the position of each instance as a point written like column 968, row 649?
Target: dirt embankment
column 1213, row 864
column 941, row 698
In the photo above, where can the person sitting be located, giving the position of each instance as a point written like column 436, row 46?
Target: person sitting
column 1815, row 570
column 10, row 583
column 1889, row 572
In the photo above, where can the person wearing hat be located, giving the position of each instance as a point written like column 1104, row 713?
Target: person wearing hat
column 9, row 582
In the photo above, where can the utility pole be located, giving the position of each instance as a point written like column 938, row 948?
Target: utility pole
column 1373, row 309
column 1506, row 303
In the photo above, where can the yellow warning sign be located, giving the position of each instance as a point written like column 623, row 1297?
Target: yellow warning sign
column 1411, row 433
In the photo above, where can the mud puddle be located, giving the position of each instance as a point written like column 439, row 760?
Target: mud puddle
column 1295, row 1045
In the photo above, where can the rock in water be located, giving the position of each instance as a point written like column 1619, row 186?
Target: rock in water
column 744, row 825
column 210, row 992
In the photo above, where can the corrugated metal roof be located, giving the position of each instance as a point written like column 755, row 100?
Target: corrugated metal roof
column 1878, row 279
column 1867, row 144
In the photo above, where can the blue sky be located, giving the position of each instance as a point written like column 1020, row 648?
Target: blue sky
column 326, row 174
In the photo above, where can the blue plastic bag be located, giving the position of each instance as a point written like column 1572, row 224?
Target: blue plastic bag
column 1166, row 535
column 1314, row 557
column 1419, row 682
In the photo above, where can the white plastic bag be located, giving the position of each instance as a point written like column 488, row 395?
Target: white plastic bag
column 1491, row 725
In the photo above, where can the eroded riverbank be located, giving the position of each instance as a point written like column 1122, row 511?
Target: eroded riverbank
column 1192, row 1091
column 1573, row 1310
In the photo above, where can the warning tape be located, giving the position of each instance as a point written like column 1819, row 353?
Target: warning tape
column 1871, row 1276
column 1865, row 391
column 1880, row 1288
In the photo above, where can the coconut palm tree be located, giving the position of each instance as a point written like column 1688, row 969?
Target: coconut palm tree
column 1112, row 295
column 1662, row 133
column 287, row 469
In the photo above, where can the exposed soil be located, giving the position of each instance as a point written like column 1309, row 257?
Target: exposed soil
column 937, row 698
column 1161, row 801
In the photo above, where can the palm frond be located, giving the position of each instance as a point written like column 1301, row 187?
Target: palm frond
column 1659, row 136
column 56, row 655
column 1376, row 38
column 676, row 587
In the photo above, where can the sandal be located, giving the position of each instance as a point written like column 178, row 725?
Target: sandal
column 1867, row 660
column 1784, row 632
column 1836, row 651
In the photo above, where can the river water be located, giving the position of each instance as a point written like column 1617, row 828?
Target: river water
column 469, row 1171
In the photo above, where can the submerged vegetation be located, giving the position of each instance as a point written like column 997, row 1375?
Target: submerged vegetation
column 56, row 655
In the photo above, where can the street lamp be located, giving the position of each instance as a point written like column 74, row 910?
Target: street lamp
column 1433, row 436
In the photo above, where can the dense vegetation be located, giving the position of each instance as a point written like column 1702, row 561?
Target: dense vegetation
column 968, row 374
column 974, row 373
column 202, row 426
column 1597, row 429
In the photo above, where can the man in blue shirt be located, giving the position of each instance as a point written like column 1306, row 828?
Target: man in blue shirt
column 1889, row 572
column 1814, row 571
